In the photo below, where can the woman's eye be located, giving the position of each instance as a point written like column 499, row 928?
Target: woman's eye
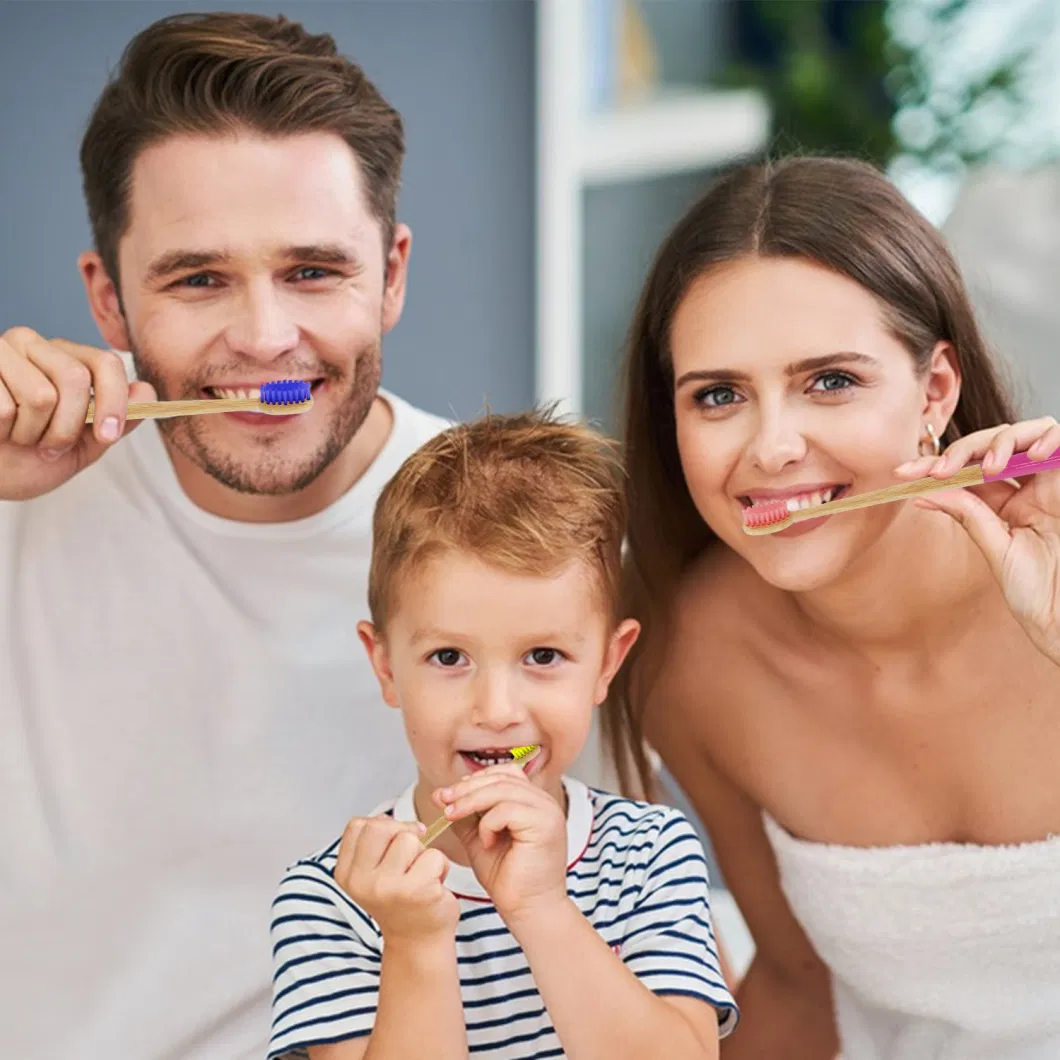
column 716, row 396
column 447, row 657
column 544, row 656
column 835, row 380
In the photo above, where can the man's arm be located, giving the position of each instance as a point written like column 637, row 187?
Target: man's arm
column 419, row 1012
column 598, row 1006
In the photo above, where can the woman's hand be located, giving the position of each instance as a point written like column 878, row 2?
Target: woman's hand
column 1016, row 525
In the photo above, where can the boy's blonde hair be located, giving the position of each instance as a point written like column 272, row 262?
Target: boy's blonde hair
column 526, row 493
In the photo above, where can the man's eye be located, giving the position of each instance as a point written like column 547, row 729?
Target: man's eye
column 199, row 279
column 316, row 272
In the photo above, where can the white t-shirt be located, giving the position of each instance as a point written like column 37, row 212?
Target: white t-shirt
column 185, row 709
column 637, row 872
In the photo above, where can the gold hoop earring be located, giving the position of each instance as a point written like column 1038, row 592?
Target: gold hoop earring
column 936, row 445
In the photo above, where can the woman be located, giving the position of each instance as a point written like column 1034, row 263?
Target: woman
column 865, row 708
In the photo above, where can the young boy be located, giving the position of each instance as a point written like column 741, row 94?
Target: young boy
column 551, row 919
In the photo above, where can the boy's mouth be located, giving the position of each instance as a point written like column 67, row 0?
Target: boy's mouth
column 492, row 756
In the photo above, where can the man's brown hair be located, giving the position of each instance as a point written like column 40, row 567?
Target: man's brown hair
column 526, row 493
column 219, row 73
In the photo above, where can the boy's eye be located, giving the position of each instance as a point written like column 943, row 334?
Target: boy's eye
column 544, row 656
column 447, row 656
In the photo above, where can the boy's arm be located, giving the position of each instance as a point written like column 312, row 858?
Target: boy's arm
column 663, row 996
column 420, row 1010
column 354, row 985
column 598, row 1006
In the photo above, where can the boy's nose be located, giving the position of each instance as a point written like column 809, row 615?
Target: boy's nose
column 497, row 704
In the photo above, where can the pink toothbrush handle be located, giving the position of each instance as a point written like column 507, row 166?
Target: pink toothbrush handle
column 1021, row 465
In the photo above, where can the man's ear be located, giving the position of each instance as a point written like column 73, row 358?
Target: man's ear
column 103, row 301
column 618, row 646
column 379, row 657
column 396, row 278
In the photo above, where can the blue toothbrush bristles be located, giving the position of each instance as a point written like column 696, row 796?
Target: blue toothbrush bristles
column 285, row 392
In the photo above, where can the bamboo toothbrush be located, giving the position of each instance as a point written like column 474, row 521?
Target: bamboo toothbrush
column 772, row 516
column 519, row 754
column 281, row 398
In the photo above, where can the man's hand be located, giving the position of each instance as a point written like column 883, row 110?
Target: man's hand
column 45, row 388
column 517, row 844
column 384, row 868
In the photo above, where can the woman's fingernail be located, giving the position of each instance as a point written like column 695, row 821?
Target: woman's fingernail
column 450, row 809
column 110, row 429
column 51, row 455
column 445, row 793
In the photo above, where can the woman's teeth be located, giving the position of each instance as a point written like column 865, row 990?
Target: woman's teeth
column 802, row 500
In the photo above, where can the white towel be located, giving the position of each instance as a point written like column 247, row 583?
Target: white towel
column 945, row 951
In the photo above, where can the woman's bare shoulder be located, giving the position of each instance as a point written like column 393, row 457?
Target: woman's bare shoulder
column 715, row 629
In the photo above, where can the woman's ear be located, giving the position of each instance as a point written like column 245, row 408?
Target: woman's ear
column 379, row 657
column 942, row 386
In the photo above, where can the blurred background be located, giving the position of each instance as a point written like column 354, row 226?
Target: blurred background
column 553, row 142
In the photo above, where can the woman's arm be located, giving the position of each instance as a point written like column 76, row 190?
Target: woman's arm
column 785, row 997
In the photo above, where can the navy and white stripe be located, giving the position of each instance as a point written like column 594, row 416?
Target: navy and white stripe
column 636, row 871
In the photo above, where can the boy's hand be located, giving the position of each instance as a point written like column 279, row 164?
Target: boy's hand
column 518, row 844
column 384, row 868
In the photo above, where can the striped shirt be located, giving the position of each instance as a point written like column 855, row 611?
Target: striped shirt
column 636, row 871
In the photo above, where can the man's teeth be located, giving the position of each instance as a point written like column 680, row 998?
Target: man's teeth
column 227, row 393
column 803, row 500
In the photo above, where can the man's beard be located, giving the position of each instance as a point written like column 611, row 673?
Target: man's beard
column 268, row 470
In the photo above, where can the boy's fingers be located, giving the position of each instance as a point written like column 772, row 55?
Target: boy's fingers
column 431, row 866
column 346, row 847
column 401, row 851
column 374, row 839
column 508, row 771
column 487, row 796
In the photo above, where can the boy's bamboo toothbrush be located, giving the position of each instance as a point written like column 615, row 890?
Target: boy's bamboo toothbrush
column 519, row 754
column 771, row 516
column 281, row 398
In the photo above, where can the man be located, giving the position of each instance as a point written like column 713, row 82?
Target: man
column 179, row 598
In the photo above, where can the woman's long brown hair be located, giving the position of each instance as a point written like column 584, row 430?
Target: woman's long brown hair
column 841, row 214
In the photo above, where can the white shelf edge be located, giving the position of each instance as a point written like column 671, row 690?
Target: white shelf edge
column 672, row 134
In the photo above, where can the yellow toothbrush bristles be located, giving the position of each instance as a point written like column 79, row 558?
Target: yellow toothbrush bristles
column 524, row 752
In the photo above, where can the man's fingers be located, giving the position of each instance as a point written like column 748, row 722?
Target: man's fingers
column 109, row 383
column 32, row 392
column 72, row 381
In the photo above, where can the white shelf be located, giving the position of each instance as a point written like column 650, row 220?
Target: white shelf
column 672, row 134
column 579, row 149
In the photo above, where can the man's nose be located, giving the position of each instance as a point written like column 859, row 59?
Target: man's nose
column 264, row 327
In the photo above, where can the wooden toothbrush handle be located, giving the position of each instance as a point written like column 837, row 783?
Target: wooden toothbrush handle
column 160, row 410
